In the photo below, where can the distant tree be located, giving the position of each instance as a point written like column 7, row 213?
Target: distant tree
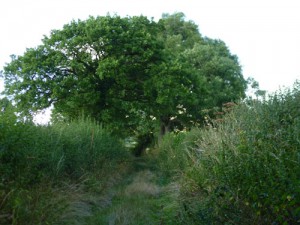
column 7, row 112
column 8, row 119
column 254, row 89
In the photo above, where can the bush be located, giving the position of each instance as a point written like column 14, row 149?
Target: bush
column 31, row 152
column 34, row 156
column 248, row 169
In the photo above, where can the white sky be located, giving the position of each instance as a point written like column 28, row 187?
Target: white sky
column 264, row 34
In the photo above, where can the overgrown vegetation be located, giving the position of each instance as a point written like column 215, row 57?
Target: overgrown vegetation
column 38, row 163
column 245, row 170
column 153, row 88
column 241, row 169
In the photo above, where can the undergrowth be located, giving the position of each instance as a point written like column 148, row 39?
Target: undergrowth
column 40, row 165
column 244, row 170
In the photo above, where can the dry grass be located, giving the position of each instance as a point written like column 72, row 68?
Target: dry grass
column 93, row 192
column 143, row 185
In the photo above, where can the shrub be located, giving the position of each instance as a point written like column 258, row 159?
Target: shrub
column 31, row 152
column 32, row 156
column 248, row 169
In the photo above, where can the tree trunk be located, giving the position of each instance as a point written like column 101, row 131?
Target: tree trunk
column 144, row 141
column 164, row 128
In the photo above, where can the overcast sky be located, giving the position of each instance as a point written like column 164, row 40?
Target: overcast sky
column 264, row 34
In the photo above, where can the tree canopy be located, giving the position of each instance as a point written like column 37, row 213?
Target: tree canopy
column 130, row 73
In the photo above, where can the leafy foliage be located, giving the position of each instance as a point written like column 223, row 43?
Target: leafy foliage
column 199, row 74
column 97, row 66
column 130, row 74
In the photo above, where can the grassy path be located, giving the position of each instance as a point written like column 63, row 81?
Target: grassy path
column 138, row 197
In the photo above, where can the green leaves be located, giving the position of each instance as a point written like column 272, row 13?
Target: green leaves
column 218, row 71
column 125, row 71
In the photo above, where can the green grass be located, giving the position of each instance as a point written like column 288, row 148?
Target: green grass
column 39, row 165
column 140, row 199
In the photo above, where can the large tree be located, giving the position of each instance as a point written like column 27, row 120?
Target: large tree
column 97, row 66
column 129, row 73
column 198, row 75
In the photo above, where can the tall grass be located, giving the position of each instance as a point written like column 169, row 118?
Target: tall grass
column 247, row 170
column 32, row 157
column 171, row 156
